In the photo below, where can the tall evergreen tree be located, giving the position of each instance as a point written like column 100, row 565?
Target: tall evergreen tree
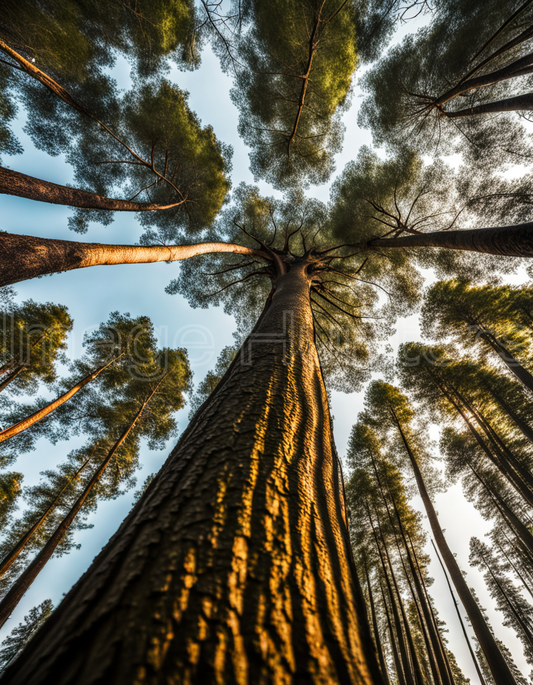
column 143, row 407
column 517, row 611
column 262, row 439
column 440, row 86
column 292, row 86
column 377, row 497
column 472, row 315
column 32, row 339
column 391, row 412
column 23, row 633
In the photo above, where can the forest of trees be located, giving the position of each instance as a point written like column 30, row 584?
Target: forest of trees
column 257, row 553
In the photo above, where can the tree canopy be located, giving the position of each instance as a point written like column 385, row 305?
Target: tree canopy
column 248, row 555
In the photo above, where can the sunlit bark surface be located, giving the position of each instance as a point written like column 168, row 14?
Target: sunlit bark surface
column 24, row 256
column 235, row 566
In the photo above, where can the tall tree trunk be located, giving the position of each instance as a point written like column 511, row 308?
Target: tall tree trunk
column 15, row 551
column 516, row 571
column 29, row 421
column 517, row 104
column 377, row 639
column 23, row 256
column 501, row 464
column 499, row 445
column 516, row 525
column 434, row 648
column 435, row 623
column 436, row 659
column 235, row 565
column 525, row 627
column 413, row 656
column 405, row 662
column 24, row 582
column 394, row 648
column 514, row 241
column 497, row 664
column 507, row 358
column 21, row 185
column 423, row 629
column 11, row 377
column 482, row 680
column 522, row 425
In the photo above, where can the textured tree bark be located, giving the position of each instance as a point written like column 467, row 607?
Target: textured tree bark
column 497, row 664
column 514, row 241
column 23, row 256
column 21, row 185
column 235, row 566
column 29, row 421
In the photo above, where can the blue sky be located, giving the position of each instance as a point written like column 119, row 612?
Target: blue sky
column 92, row 294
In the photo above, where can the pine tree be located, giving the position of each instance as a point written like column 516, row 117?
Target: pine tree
column 517, row 611
column 22, row 634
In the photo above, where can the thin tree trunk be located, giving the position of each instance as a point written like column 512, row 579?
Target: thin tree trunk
column 514, row 241
column 17, row 361
column 497, row 664
column 433, row 617
column 501, row 464
column 11, row 377
column 482, row 680
column 437, row 657
column 21, row 185
column 522, row 555
column 412, row 655
column 394, row 648
column 522, row 425
column 507, row 358
column 29, row 421
column 437, row 663
column 512, row 608
column 519, row 529
column 32, row 70
column 23, row 256
column 505, row 73
column 407, row 671
column 423, row 628
column 516, row 571
column 502, row 449
column 516, row 104
column 235, row 565
column 377, row 638
column 15, row 551
column 24, row 582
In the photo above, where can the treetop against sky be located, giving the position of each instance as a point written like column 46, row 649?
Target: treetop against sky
column 254, row 246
